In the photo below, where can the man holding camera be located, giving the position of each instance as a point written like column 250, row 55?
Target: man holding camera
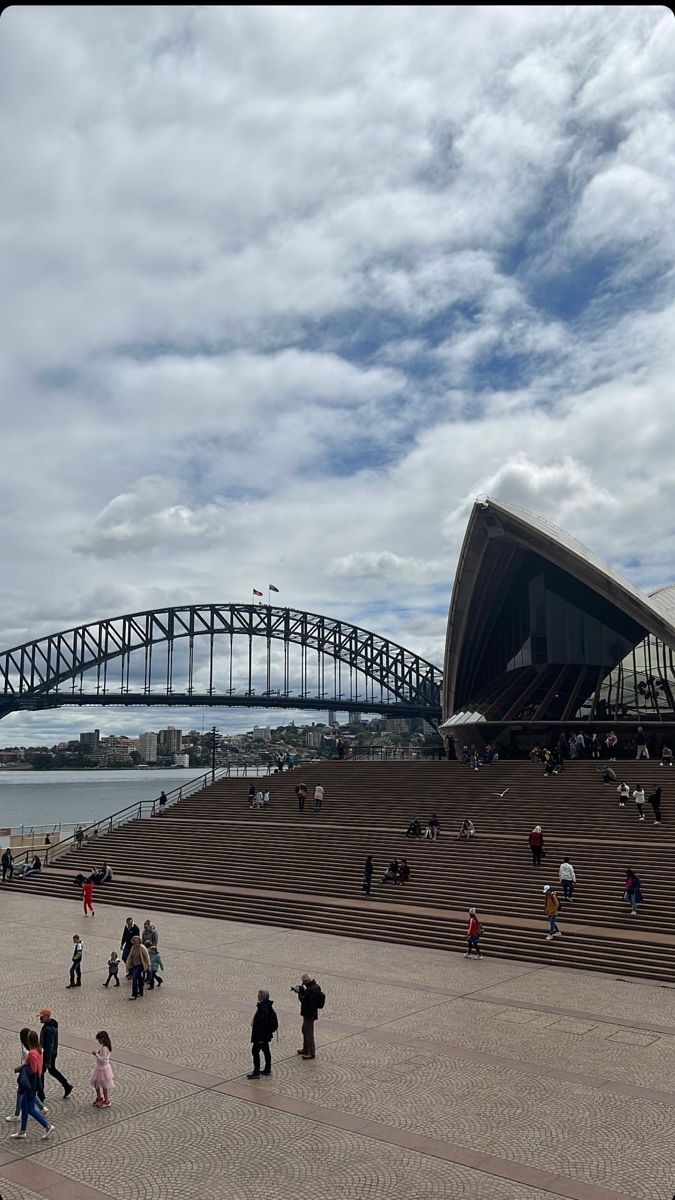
column 311, row 1000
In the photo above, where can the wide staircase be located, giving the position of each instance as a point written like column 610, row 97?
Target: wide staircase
column 211, row 855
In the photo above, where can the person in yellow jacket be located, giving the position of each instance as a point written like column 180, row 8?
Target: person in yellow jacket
column 551, row 908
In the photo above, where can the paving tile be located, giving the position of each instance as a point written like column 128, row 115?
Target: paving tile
column 633, row 1037
column 374, row 1117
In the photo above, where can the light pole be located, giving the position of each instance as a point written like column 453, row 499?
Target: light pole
column 213, row 754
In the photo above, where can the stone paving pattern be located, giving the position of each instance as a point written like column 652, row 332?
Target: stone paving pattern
column 435, row 1077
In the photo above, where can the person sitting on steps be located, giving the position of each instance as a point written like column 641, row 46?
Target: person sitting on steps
column 404, row 872
column 467, row 830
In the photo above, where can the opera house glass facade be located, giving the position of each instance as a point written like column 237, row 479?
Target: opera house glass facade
column 542, row 634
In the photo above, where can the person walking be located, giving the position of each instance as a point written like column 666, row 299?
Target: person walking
column 150, row 936
column 568, row 878
column 76, row 962
column 633, row 891
column 88, row 897
column 113, row 969
column 129, row 932
column 301, row 792
column 654, row 799
column 551, row 908
column 368, row 874
column 473, row 935
column 30, row 1074
column 78, row 837
column 311, row 1000
column 639, row 798
column 611, row 742
column 624, row 793
column 641, row 750
column 102, row 1078
column 139, row 964
column 7, row 864
column 49, row 1041
column 25, row 1048
column 264, row 1024
column 318, row 797
column 536, row 840
column 156, row 965
column 162, row 803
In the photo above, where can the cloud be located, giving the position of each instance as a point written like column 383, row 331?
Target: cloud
column 384, row 565
column 144, row 519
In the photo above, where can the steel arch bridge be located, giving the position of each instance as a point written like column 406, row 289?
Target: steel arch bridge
column 253, row 655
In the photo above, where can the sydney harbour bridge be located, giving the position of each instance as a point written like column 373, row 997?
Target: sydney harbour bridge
column 221, row 655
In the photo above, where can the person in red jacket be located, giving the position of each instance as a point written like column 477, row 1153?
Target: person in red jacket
column 473, row 935
column 88, row 894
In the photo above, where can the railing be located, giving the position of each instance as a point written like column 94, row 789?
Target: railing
column 132, row 812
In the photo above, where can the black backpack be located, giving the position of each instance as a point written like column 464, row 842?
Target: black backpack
column 274, row 1021
column 320, row 999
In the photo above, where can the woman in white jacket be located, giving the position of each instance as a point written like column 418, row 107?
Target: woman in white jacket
column 624, row 792
column 567, row 877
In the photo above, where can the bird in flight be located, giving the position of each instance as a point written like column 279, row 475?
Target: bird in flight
column 502, row 794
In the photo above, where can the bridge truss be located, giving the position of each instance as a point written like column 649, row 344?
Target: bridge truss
column 221, row 655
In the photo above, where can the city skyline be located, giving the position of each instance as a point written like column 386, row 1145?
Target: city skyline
column 303, row 283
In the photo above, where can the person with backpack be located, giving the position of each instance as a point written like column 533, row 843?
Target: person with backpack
column 473, row 935
column 311, row 1000
column 264, row 1024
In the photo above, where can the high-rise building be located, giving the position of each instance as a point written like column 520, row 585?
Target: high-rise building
column 333, row 719
column 170, row 741
column 313, row 738
column 147, row 747
column 261, row 733
column 90, row 741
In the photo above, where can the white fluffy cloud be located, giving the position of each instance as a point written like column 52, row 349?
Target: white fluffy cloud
column 286, row 287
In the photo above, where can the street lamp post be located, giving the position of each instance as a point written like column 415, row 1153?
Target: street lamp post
column 213, row 754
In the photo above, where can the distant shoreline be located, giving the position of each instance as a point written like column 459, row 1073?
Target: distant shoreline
column 41, row 770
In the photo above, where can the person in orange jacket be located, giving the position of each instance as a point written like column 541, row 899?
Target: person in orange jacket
column 551, row 908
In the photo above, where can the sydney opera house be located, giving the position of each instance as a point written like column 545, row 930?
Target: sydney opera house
column 542, row 635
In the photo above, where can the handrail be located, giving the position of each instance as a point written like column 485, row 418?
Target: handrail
column 130, row 812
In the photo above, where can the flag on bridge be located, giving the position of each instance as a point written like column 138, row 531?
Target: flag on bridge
column 256, row 592
column 272, row 588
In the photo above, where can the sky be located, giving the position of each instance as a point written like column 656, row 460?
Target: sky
column 285, row 288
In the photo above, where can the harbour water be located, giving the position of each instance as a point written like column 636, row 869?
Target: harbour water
column 68, row 797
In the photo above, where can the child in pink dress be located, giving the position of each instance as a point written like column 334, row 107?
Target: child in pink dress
column 102, row 1076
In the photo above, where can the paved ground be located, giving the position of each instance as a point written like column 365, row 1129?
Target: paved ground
column 435, row 1078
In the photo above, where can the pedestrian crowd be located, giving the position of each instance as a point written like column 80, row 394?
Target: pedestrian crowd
column 38, row 1052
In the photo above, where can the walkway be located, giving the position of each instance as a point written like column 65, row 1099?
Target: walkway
column 435, row 1077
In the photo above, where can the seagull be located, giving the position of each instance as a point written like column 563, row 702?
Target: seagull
column 501, row 794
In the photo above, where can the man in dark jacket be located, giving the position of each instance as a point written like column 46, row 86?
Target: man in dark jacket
column 311, row 1000
column 129, row 932
column 264, row 1025
column 7, row 864
column 49, row 1040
